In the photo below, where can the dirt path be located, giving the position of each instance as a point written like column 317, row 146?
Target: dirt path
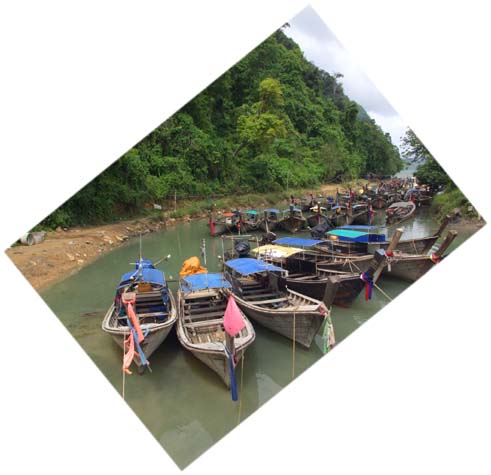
column 63, row 253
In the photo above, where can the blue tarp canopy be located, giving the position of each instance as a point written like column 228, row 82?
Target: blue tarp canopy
column 272, row 210
column 251, row 211
column 338, row 206
column 294, row 209
column 293, row 241
column 247, row 266
column 154, row 276
column 203, row 281
column 355, row 236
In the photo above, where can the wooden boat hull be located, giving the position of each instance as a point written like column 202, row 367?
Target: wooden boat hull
column 341, row 220
column 220, row 228
column 361, row 218
column 407, row 246
column 212, row 352
column 316, row 219
column 348, row 289
column 322, row 289
column 216, row 359
column 157, row 332
column 396, row 219
column 272, row 225
column 307, row 323
column 409, row 268
column 248, row 227
column 292, row 224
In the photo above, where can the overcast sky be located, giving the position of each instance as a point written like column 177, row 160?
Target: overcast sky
column 322, row 48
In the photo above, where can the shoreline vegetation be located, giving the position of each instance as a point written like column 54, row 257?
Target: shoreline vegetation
column 67, row 250
column 272, row 126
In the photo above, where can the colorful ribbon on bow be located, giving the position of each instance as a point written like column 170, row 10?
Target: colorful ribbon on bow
column 368, row 285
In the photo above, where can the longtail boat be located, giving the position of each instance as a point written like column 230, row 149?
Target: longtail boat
column 224, row 223
column 142, row 314
column 400, row 211
column 310, row 275
column 249, row 221
column 318, row 216
column 410, row 267
column 340, row 216
column 210, row 327
column 361, row 214
column 264, row 297
column 367, row 239
column 402, row 265
column 271, row 217
column 292, row 220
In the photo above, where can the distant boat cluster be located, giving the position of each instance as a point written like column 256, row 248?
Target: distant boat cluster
column 400, row 198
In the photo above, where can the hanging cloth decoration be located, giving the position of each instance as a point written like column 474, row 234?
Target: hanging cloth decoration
column 233, row 322
column 233, row 382
column 129, row 344
column 368, row 285
column 129, row 299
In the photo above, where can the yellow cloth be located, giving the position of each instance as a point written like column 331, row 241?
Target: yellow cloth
column 192, row 266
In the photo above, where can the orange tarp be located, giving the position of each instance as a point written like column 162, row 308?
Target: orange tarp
column 192, row 266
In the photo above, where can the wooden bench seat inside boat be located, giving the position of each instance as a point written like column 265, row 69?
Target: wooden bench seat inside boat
column 203, row 316
column 205, row 323
column 267, row 302
column 249, row 298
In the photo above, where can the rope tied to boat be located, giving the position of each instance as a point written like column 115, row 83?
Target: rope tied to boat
column 241, row 385
column 293, row 342
column 389, row 255
column 368, row 285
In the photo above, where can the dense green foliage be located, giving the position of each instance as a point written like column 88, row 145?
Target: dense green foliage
column 413, row 149
column 431, row 173
column 272, row 121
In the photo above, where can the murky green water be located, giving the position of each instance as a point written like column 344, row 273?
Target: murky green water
column 182, row 402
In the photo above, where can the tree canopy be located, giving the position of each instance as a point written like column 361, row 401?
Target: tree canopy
column 272, row 118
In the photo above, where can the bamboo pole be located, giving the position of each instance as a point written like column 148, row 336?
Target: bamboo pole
column 393, row 244
column 451, row 235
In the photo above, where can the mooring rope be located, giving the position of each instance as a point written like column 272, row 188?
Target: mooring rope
column 294, row 334
column 241, row 386
column 124, row 372
column 383, row 293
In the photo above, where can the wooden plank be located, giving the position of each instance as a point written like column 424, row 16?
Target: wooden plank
column 254, row 297
column 200, row 316
column 203, row 324
column 262, row 302
column 197, row 311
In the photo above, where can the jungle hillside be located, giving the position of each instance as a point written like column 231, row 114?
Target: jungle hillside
column 274, row 120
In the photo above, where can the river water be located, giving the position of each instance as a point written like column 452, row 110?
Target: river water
column 182, row 402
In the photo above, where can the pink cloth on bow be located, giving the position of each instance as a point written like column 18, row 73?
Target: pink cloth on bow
column 232, row 320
